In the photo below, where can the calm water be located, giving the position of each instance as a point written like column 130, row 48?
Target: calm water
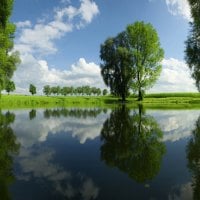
column 90, row 154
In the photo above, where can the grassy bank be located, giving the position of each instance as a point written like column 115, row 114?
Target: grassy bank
column 162, row 100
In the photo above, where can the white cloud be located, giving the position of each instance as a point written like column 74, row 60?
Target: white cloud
column 35, row 41
column 175, row 77
column 39, row 73
column 42, row 36
column 88, row 10
column 179, row 7
column 23, row 24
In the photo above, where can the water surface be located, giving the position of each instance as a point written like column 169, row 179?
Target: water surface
column 99, row 154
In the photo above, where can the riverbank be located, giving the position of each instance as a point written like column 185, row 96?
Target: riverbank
column 162, row 100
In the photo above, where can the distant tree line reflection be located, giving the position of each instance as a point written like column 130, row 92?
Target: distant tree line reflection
column 76, row 112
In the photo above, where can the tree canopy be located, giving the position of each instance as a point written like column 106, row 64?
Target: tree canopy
column 131, row 60
column 32, row 89
column 116, row 68
column 8, row 58
column 10, row 86
column 146, row 54
column 192, row 51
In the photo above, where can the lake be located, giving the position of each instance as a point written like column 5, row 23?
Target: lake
column 84, row 154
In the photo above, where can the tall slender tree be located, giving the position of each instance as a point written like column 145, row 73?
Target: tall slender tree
column 8, row 58
column 146, row 54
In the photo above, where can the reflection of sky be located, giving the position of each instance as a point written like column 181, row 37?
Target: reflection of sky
column 36, row 130
column 185, row 192
column 37, row 161
column 175, row 124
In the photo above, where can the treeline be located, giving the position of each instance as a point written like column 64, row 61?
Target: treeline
column 81, row 90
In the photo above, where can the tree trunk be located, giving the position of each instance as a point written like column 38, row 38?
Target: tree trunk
column 123, row 98
column 140, row 95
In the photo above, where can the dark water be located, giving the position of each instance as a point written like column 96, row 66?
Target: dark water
column 99, row 154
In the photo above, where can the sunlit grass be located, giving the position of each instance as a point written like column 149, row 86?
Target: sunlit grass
column 162, row 100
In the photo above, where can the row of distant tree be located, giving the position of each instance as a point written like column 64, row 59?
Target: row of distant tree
column 81, row 90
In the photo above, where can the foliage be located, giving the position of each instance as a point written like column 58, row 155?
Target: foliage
column 10, row 86
column 146, row 54
column 105, row 92
column 132, row 143
column 131, row 60
column 32, row 89
column 116, row 69
column 47, row 90
column 192, row 50
column 81, row 90
column 8, row 58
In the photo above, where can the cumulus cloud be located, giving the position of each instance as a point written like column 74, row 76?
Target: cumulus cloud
column 175, row 77
column 42, row 36
column 179, row 7
column 39, row 73
column 36, row 41
column 23, row 24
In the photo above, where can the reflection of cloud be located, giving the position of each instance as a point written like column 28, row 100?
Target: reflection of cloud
column 37, row 163
column 185, row 193
column 29, row 160
column 38, row 129
column 88, row 190
column 176, row 124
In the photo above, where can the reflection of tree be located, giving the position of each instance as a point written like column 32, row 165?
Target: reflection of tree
column 193, row 156
column 8, row 146
column 78, row 113
column 32, row 114
column 132, row 143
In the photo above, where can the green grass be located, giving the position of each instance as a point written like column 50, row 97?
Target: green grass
column 177, row 94
column 161, row 101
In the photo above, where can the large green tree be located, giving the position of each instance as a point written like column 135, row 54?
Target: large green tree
column 8, row 58
column 192, row 51
column 146, row 54
column 132, row 60
column 116, row 68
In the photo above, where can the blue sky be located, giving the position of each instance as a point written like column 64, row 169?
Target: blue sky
column 59, row 40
